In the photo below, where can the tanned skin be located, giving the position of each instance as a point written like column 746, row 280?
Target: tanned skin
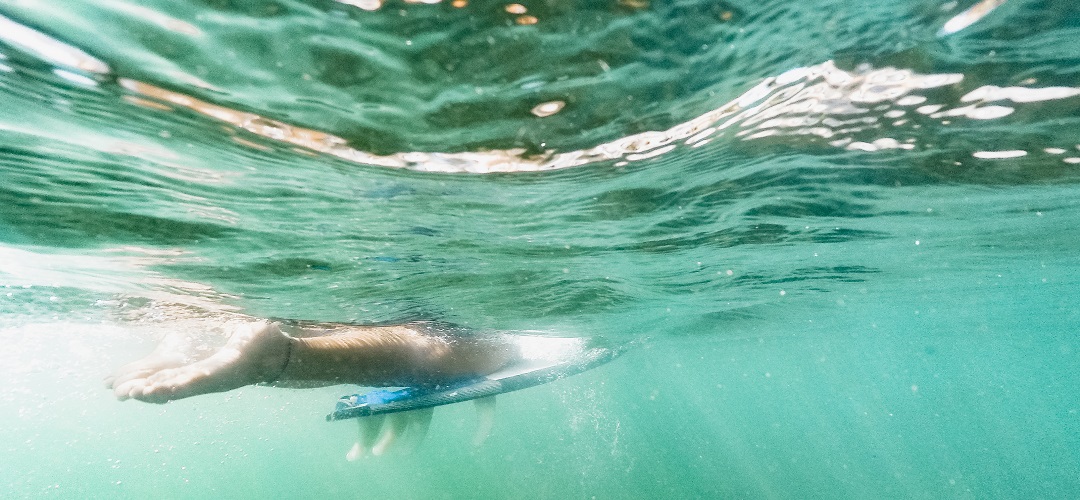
column 295, row 355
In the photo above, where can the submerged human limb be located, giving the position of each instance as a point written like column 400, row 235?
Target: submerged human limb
column 412, row 354
column 261, row 352
column 175, row 349
column 255, row 352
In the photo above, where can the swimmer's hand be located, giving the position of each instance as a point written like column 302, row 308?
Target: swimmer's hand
column 256, row 352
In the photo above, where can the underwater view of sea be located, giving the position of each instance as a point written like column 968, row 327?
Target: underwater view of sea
column 842, row 240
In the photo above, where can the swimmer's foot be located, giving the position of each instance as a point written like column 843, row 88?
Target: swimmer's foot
column 255, row 353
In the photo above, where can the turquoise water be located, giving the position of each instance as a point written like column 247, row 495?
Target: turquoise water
column 844, row 237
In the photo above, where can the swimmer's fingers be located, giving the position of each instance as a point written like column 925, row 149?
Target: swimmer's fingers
column 142, row 390
column 163, row 386
column 124, row 391
column 176, row 383
column 122, row 376
column 145, row 367
column 158, row 387
column 174, row 350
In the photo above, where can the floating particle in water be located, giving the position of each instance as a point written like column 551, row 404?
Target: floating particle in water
column 76, row 78
column 910, row 100
column 49, row 49
column 989, row 93
column 548, row 108
column 989, row 112
column 969, row 16
column 999, row 155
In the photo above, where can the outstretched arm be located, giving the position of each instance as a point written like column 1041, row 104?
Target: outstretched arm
column 391, row 356
column 260, row 352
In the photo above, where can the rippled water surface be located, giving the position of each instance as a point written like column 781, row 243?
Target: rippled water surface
column 844, row 236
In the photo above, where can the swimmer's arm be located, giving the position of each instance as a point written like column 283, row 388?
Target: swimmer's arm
column 388, row 356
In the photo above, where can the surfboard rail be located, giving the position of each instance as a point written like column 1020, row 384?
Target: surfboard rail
column 516, row 376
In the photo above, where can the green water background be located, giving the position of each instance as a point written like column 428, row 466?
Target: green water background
column 895, row 324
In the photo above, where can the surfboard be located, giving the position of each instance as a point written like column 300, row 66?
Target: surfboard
column 542, row 360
